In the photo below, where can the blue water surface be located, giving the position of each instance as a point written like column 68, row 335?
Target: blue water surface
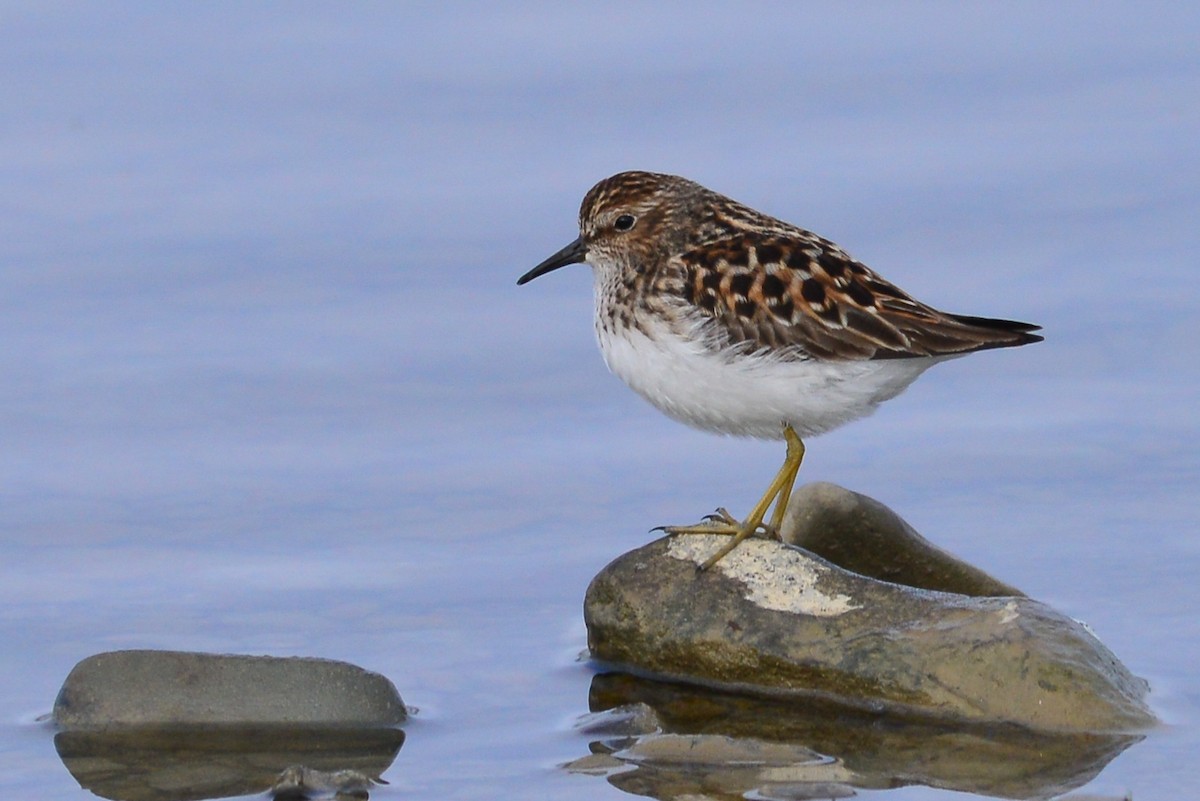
column 268, row 385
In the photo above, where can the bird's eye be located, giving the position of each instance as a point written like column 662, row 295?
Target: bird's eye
column 624, row 222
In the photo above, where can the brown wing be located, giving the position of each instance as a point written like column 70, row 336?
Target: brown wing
column 806, row 294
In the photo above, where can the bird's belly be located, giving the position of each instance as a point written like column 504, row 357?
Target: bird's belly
column 751, row 396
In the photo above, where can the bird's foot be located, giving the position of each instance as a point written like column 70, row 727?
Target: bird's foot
column 724, row 524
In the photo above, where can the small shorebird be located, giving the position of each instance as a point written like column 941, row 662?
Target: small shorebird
column 735, row 322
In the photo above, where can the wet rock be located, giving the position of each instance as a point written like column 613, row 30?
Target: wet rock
column 774, row 618
column 622, row 721
column 124, row 688
column 862, row 535
column 716, row 749
column 681, row 766
column 716, row 766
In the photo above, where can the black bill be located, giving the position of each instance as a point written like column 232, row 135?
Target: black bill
column 573, row 253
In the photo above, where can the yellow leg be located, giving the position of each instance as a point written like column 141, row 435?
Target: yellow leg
column 778, row 492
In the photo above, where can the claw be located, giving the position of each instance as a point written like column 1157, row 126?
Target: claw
column 722, row 515
column 722, row 523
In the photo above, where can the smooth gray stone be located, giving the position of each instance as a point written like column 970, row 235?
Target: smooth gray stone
column 126, row 688
column 860, row 534
column 771, row 617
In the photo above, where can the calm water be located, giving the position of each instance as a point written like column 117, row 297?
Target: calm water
column 269, row 386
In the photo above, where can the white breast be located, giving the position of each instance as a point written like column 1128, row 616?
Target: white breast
column 749, row 396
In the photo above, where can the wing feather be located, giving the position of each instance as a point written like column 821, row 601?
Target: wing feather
column 804, row 297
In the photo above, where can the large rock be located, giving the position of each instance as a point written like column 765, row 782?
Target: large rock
column 125, row 688
column 860, row 534
column 775, row 618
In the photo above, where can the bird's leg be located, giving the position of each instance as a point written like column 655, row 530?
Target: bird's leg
column 778, row 492
column 792, row 460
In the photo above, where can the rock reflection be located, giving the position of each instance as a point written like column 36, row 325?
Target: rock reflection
column 664, row 740
column 302, row 782
column 180, row 763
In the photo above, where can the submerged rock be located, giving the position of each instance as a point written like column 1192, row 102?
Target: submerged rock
column 125, row 688
column 302, row 782
column 774, row 618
